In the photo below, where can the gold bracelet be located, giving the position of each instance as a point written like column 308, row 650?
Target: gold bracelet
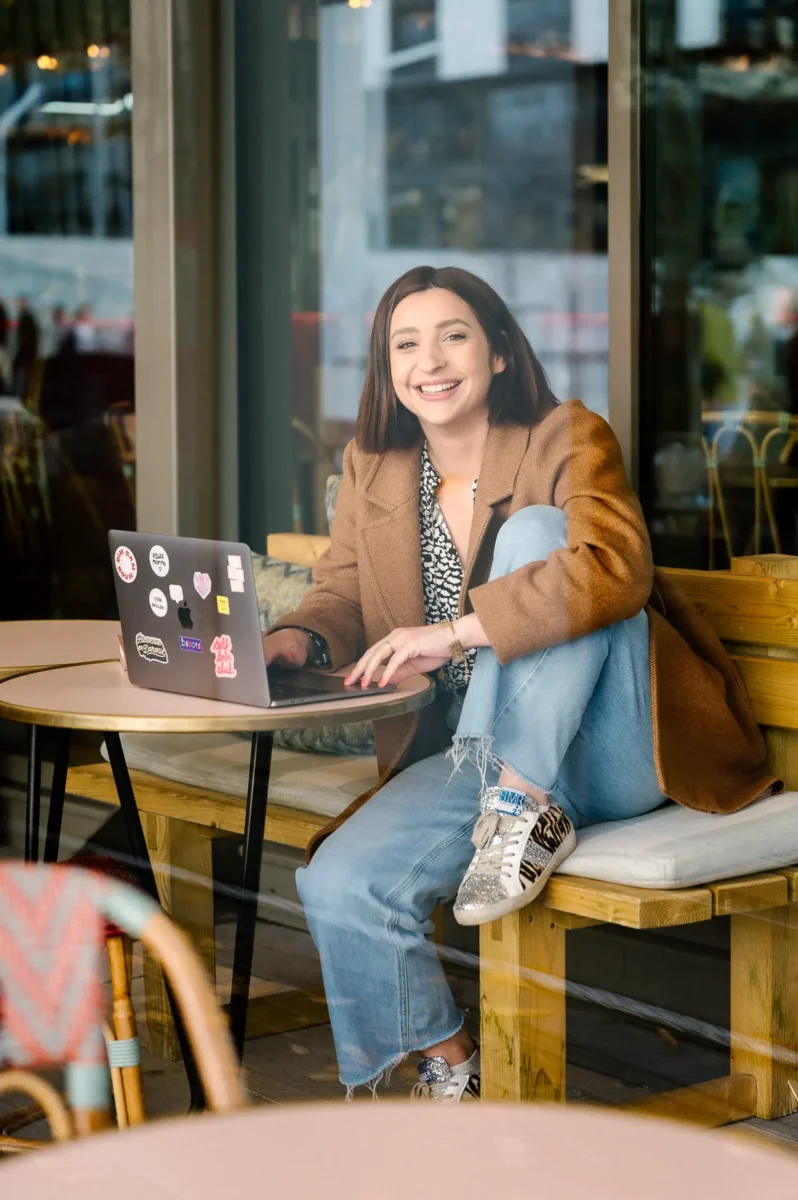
column 458, row 653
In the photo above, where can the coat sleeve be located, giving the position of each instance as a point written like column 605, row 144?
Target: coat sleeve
column 605, row 572
column 332, row 608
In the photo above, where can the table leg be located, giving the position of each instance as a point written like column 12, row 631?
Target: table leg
column 34, row 801
column 55, row 812
column 255, row 824
column 143, row 868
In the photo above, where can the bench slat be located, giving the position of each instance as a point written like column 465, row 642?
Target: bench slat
column 767, row 890
column 744, row 608
column 636, row 908
column 285, row 826
column 772, row 685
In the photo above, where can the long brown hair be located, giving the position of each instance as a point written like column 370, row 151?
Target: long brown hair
column 519, row 395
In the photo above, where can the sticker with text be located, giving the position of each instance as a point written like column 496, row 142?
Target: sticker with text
column 234, row 561
column 193, row 644
column 125, row 563
column 236, row 585
column 235, row 572
column 159, row 561
column 202, row 584
column 223, row 605
column 224, row 659
column 151, row 648
column 158, row 602
column 175, row 592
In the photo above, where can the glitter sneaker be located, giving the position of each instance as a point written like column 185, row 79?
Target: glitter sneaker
column 438, row 1081
column 519, row 845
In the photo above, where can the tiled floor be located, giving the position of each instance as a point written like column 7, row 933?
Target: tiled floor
column 612, row 1059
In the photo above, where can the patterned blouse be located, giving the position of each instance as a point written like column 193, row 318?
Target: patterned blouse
column 441, row 569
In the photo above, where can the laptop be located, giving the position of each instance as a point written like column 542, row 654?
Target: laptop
column 190, row 624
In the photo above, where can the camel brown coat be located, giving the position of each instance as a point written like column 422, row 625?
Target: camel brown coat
column 709, row 752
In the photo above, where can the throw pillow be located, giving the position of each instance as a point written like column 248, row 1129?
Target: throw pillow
column 280, row 587
column 331, row 497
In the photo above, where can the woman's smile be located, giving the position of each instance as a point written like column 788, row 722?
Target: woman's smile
column 442, row 390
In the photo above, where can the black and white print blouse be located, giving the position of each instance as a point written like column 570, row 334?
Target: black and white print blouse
column 441, row 569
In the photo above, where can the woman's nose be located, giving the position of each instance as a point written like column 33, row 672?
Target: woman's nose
column 432, row 357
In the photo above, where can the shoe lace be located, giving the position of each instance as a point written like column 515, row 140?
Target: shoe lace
column 496, row 838
column 436, row 1091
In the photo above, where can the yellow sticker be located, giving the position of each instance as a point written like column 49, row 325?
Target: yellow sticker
column 223, row 605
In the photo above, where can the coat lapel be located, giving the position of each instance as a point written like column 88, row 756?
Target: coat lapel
column 391, row 536
column 504, row 453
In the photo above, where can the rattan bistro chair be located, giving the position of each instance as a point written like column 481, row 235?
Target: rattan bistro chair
column 53, row 924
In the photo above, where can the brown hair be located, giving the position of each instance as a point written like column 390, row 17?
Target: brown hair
column 519, row 395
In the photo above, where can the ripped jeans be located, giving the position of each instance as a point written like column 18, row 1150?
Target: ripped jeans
column 574, row 719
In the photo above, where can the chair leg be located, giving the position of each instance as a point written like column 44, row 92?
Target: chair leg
column 764, row 1013
column 522, row 988
column 124, row 1022
column 182, row 861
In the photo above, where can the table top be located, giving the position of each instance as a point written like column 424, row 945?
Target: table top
column 99, row 696
column 37, row 645
column 363, row 1151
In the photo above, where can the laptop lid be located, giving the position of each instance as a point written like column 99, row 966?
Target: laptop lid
column 189, row 616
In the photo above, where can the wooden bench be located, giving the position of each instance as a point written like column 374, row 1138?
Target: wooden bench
column 523, row 957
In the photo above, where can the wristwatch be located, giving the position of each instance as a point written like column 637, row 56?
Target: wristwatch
column 319, row 653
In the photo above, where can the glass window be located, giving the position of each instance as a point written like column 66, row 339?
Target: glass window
column 469, row 132
column 719, row 386
column 66, row 304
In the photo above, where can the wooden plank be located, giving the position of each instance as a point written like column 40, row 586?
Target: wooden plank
column 772, row 685
column 181, row 860
column 764, row 1013
column 791, row 875
column 286, row 826
column 303, row 549
column 635, row 908
column 753, row 892
column 744, row 608
column 711, row 1104
column 782, row 745
column 571, row 920
column 522, row 994
column 772, row 566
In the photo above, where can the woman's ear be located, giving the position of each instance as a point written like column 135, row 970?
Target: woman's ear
column 499, row 364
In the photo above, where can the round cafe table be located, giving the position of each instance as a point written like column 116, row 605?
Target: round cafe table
column 368, row 1151
column 100, row 697
column 29, row 646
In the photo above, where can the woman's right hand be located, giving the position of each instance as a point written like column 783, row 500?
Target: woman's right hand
column 286, row 647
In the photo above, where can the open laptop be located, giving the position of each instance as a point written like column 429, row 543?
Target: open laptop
column 190, row 624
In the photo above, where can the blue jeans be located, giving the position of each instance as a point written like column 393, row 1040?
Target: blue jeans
column 574, row 719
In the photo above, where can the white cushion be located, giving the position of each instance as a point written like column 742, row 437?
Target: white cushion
column 318, row 783
column 675, row 847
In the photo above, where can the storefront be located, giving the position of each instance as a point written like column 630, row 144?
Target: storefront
column 625, row 174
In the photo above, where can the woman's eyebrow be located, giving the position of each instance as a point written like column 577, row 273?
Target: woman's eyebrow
column 440, row 325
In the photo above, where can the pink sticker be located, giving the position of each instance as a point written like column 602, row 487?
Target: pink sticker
column 224, row 659
column 202, row 584
column 125, row 563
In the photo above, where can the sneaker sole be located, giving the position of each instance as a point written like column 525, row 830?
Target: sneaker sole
column 503, row 908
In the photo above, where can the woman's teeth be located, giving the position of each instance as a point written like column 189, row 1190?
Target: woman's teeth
column 434, row 389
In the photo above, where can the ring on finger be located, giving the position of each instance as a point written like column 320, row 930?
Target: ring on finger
column 390, row 647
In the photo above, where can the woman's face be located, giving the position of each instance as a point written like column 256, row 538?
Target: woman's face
column 441, row 363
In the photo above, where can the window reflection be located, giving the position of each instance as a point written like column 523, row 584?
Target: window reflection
column 470, row 132
column 720, row 315
column 66, row 304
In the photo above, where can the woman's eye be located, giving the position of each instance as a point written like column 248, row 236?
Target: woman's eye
column 405, row 345
column 456, row 337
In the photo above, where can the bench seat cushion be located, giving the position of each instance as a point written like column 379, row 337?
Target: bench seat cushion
column 318, row 783
column 676, row 847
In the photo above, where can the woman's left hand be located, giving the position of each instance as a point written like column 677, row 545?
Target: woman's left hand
column 406, row 652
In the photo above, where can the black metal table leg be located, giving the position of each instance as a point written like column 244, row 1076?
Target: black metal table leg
column 143, row 868
column 34, row 801
column 55, row 812
column 257, row 797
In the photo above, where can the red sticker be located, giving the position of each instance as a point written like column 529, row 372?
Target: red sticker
column 224, row 659
column 125, row 563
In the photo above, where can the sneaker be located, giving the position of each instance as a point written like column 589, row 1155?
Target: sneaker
column 519, row 845
column 438, row 1081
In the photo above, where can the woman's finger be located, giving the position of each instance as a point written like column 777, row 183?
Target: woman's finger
column 395, row 662
column 377, row 657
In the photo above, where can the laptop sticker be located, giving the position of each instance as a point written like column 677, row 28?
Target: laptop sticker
column 176, row 592
column 125, row 563
column 202, row 584
column 158, row 602
column 194, row 644
column 234, row 560
column 223, row 605
column 151, row 648
column 236, row 585
column 184, row 615
column 159, row 561
column 224, row 659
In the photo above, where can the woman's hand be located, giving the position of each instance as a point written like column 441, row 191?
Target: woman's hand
column 286, row 647
column 406, row 652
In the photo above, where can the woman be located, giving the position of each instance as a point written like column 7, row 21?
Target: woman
column 488, row 534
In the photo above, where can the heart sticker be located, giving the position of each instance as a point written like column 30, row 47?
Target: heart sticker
column 202, row 584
